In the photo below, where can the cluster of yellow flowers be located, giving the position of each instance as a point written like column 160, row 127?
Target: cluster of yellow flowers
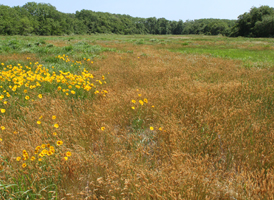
column 45, row 150
column 65, row 58
column 32, row 77
column 20, row 80
column 141, row 102
column 53, row 118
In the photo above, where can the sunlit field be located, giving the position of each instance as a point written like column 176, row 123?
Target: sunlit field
column 136, row 117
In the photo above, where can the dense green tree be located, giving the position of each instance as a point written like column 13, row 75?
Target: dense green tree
column 151, row 24
column 265, row 27
column 250, row 24
column 163, row 26
column 9, row 20
column 45, row 19
column 179, row 28
column 25, row 26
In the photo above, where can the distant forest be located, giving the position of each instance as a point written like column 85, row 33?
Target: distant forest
column 43, row 19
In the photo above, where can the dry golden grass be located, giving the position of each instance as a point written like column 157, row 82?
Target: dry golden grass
column 58, row 43
column 215, row 139
column 17, row 57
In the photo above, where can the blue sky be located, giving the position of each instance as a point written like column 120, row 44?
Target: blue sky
column 169, row 9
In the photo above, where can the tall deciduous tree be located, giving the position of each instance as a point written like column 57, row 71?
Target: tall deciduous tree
column 250, row 24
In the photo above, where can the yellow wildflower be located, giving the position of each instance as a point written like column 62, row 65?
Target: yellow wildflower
column 25, row 152
column 44, row 152
column 37, row 148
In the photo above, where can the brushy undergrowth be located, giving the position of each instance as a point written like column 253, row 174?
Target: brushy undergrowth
column 113, row 117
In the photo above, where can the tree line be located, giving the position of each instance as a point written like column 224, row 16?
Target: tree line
column 44, row 19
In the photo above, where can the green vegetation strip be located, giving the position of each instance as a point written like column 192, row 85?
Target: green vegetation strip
column 239, row 54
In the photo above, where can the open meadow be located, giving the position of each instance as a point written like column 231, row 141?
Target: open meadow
column 136, row 117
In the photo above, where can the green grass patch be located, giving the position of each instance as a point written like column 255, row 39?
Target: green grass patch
column 239, row 54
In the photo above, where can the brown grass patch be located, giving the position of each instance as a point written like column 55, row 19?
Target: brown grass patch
column 17, row 57
column 58, row 43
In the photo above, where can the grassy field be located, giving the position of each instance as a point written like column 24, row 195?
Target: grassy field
column 136, row 117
